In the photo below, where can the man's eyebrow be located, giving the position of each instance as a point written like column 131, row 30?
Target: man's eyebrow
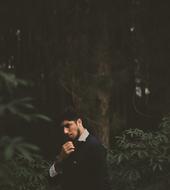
column 65, row 125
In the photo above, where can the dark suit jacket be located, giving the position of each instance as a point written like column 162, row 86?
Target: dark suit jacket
column 85, row 169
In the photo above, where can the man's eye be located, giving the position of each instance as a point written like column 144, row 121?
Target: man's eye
column 67, row 125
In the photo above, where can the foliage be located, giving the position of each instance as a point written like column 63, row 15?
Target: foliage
column 139, row 158
column 21, row 166
column 11, row 101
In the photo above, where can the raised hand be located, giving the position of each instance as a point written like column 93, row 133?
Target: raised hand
column 66, row 150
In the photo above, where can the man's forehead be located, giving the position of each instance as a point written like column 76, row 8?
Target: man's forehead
column 65, row 122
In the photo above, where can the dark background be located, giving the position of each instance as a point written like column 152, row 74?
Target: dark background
column 50, row 42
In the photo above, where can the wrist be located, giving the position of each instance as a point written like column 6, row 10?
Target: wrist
column 59, row 158
column 58, row 164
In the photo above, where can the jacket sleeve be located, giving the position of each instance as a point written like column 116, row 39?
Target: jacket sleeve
column 56, row 168
column 55, row 173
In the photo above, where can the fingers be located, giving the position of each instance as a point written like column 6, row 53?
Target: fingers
column 67, row 148
column 68, row 145
column 69, row 151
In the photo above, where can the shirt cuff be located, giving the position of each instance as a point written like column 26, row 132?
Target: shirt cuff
column 56, row 168
column 52, row 171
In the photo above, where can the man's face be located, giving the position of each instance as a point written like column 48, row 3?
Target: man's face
column 71, row 129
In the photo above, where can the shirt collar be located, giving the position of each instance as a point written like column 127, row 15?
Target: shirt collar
column 83, row 136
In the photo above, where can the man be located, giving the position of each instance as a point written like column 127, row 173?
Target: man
column 81, row 164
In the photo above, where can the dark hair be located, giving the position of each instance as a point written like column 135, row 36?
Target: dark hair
column 70, row 113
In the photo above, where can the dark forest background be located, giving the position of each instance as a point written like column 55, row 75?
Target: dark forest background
column 110, row 59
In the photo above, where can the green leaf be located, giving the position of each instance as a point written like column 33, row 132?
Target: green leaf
column 42, row 117
column 30, row 147
column 9, row 152
column 26, row 117
column 26, row 154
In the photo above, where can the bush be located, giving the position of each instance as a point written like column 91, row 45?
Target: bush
column 21, row 166
column 140, row 158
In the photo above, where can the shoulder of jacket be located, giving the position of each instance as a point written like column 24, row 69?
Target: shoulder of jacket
column 93, row 142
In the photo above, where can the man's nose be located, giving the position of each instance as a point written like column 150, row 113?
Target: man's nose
column 65, row 130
